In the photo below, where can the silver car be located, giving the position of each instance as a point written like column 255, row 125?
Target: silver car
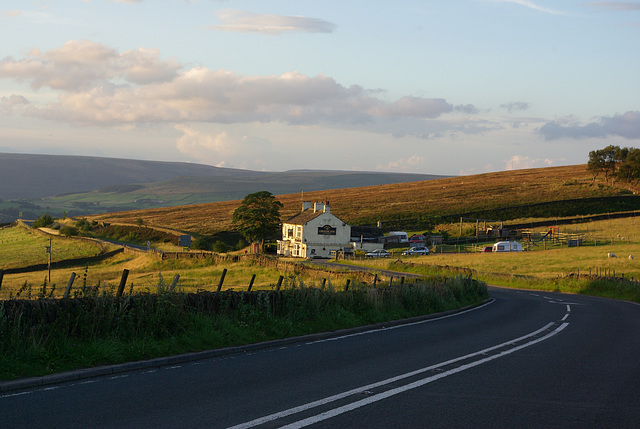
column 378, row 253
column 419, row 250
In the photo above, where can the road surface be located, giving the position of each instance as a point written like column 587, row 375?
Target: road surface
column 526, row 359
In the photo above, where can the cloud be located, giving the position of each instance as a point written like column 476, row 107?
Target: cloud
column 408, row 164
column 223, row 149
column 247, row 22
column 518, row 162
column 621, row 6
column 626, row 125
column 9, row 105
column 514, row 106
column 82, row 64
column 97, row 85
column 12, row 13
column 532, row 5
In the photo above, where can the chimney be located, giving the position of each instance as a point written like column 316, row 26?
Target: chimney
column 327, row 209
column 307, row 205
column 318, row 207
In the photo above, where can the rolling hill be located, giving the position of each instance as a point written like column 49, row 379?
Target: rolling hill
column 495, row 194
column 77, row 186
column 28, row 176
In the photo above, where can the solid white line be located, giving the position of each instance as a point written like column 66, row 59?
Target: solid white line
column 358, row 390
column 419, row 383
column 399, row 326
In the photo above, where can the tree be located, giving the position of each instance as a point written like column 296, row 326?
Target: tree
column 629, row 170
column 43, row 221
column 606, row 161
column 258, row 216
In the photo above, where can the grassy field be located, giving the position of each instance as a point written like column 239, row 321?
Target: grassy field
column 367, row 205
column 21, row 246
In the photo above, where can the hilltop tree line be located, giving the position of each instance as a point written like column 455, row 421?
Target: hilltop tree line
column 615, row 163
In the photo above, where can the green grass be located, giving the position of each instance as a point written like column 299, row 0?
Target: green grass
column 43, row 336
column 20, row 247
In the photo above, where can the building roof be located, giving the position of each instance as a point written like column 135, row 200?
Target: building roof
column 307, row 215
column 304, row 217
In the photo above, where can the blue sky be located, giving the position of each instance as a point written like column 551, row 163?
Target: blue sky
column 436, row 87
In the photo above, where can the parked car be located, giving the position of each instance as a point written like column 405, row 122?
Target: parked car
column 419, row 250
column 378, row 253
column 417, row 238
column 487, row 249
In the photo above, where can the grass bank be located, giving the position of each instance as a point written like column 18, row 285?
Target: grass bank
column 47, row 336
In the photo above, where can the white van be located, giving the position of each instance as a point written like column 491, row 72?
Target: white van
column 507, row 246
column 402, row 236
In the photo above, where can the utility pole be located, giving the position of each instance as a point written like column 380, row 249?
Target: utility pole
column 49, row 251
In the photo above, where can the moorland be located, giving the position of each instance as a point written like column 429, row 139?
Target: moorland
column 565, row 196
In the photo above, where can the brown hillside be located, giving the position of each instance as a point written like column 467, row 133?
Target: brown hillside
column 406, row 200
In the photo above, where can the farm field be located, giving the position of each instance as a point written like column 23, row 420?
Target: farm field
column 147, row 272
column 22, row 246
column 618, row 236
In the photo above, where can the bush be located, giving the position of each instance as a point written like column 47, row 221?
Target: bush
column 220, row 247
column 69, row 231
column 43, row 221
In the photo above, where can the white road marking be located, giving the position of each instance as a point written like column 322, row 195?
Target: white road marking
column 388, row 328
column 380, row 396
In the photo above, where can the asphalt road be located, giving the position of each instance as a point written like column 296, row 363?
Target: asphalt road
column 527, row 359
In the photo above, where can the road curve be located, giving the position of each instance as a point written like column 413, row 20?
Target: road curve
column 527, row 359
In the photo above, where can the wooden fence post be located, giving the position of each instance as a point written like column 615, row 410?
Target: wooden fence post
column 68, row 289
column 123, row 282
column 401, row 280
column 375, row 280
column 324, row 282
column 1, row 276
column 174, row 283
column 346, row 287
column 224, row 273
column 390, row 281
column 253, row 277
column 279, row 283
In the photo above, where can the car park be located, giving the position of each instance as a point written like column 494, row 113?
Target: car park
column 378, row 253
column 418, row 250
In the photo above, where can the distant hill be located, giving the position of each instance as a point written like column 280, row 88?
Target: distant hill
column 81, row 186
column 541, row 193
column 26, row 176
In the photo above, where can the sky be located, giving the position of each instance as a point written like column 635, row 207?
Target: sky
column 452, row 87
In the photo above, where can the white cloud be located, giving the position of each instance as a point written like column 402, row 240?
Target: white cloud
column 223, row 148
column 518, row 162
column 97, row 85
column 532, row 5
column 248, row 22
column 12, row 13
column 82, row 64
column 409, row 164
column 626, row 125
column 13, row 103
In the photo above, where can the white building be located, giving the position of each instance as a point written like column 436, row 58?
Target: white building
column 314, row 232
